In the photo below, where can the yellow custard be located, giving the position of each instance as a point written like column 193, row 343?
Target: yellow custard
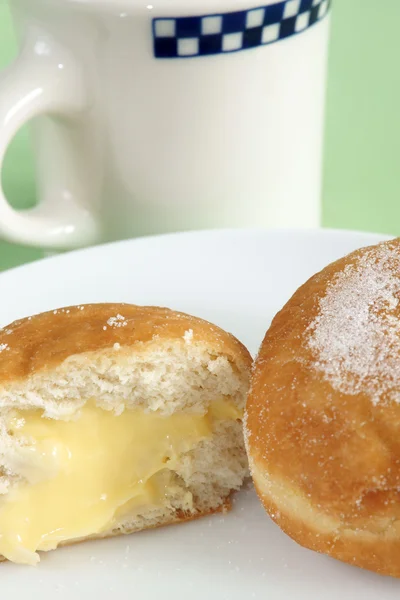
column 82, row 472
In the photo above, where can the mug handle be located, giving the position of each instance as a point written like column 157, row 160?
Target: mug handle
column 46, row 79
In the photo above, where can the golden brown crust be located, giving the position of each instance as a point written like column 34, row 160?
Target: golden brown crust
column 44, row 341
column 378, row 555
column 326, row 463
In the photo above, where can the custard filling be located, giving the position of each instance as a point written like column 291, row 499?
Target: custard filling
column 83, row 474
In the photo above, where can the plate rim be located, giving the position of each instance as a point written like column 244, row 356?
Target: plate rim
column 302, row 232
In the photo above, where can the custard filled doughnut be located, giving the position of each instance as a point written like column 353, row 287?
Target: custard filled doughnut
column 115, row 418
column 323, row 415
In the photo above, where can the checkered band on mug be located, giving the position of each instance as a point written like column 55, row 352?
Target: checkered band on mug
column 184, row 37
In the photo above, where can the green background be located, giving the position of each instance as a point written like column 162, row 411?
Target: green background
column 362, row 153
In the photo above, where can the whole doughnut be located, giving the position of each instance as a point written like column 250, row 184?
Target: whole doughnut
column 323, row 414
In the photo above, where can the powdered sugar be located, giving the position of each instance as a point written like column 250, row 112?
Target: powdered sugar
column 118, row 321
column 188, row 336
column 4, row 347
column 356, row 336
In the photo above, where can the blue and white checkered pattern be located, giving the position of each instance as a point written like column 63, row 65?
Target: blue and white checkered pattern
column 184, row 37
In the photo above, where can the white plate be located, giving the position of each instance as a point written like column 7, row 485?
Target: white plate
column 237, row 279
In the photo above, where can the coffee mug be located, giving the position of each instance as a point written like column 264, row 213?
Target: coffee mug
column 166, row 115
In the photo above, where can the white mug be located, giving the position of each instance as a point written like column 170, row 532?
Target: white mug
column 166, row 115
